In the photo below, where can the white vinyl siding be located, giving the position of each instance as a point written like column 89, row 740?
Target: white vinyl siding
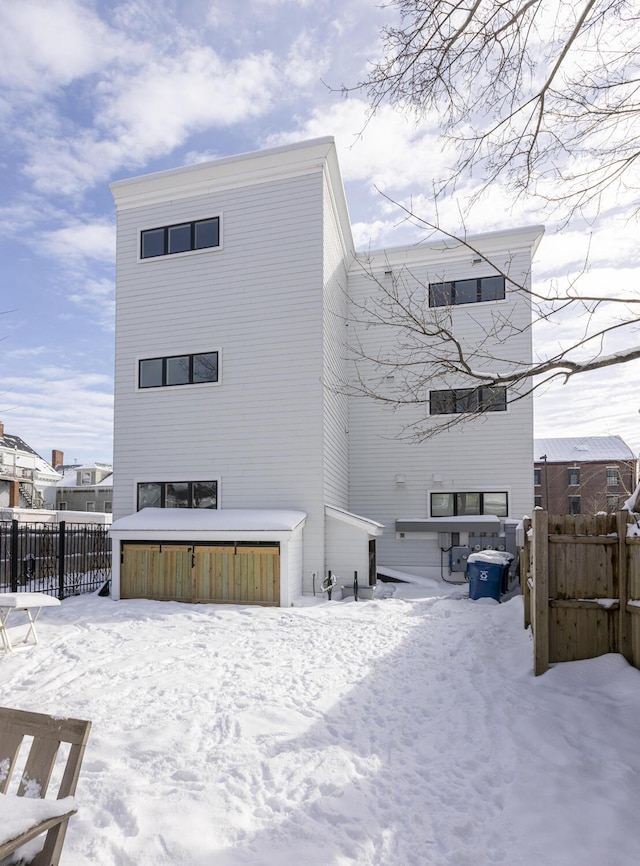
column 335, row 371
column 261, row 301
column 491, row 453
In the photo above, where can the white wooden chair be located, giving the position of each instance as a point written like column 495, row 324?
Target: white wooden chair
column 48, row 734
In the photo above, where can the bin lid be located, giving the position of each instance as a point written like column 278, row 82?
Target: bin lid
column 495, row 557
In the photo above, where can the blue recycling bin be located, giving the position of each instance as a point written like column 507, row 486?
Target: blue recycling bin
column 488, row 574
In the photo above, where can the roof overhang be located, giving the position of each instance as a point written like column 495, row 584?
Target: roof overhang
column 475, row 523
column 370, row 526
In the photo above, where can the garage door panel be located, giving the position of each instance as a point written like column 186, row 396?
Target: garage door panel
column 238, row 575
column 139, row 563
column 213, row 567
column 177, row 572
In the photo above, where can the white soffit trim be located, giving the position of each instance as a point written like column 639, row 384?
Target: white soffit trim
column 228, row 172
column 524, row 238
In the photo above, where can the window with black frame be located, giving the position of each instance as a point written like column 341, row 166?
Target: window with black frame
column 180, row 238
column 469, row 503
column 177, row 494
column 178, row 370
column 487, row 398
column 473, row 291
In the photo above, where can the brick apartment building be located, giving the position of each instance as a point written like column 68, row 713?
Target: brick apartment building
column 583, row 475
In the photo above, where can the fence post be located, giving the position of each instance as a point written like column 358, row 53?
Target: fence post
column 624, row 645
column 540, row 594
column 14, row 555
column 61, row 555
column 525, row 571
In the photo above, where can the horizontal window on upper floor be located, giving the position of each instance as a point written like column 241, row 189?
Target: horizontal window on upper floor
column 466, row 291
column 177, row 494
column 459, row 400
column 464, row 504
column 180, row 238
column 178, row 370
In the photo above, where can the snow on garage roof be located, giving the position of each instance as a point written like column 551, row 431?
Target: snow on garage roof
column 212, row 520
column 581, row 449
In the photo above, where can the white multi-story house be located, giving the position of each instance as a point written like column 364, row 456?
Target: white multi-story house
column 244, row 469
column 26, row 480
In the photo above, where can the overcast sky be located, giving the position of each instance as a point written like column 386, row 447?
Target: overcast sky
column 96, row 91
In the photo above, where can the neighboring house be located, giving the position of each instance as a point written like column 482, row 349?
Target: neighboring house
column 88, row 487
column 583, row 474
column 237, row 284
column 26, row 480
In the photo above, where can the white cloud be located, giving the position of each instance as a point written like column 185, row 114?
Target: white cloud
column 152, row 113
column 387, row 150
column 61, row 407
column 48, row 43
column 98, row 297
column 81, row 240
column 605, row 402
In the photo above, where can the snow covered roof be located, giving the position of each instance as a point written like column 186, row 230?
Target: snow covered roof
column 581, row 449
column 16, row 443
column 212, row 520
column 17, row 447
column 70, row 475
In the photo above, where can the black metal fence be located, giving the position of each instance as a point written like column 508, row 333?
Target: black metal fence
column 60, row 559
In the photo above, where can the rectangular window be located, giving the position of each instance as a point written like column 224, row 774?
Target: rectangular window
column 574, row 505
column 62, row 506
column 461, row 400
column 180, row 238
column 91, row 506
column 177, row 494
column 108, row 507
column 537, row 501
column 613, row 476
column 573, row 478
column 613, row 503
column 178, row 370
column 466, row 291
column 460, row 504
column 537, row 477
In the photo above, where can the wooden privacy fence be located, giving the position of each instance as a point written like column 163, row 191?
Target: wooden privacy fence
column 580, row 578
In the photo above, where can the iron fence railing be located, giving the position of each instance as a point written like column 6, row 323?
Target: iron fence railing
column 60, row 559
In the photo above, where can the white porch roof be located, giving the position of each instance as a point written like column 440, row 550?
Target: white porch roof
column 365, row 523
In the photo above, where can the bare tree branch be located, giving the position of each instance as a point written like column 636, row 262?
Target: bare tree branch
column 543, row 94
column 415, row 349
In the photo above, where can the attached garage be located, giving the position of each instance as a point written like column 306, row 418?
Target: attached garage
column 230, row 556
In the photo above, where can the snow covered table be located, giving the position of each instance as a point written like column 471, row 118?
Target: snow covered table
column 27, row 602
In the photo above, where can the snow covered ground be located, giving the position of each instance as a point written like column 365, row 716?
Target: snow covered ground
column 404, row 731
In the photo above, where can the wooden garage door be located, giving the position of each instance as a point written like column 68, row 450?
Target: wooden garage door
column 216, row 573
column 246, row 575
